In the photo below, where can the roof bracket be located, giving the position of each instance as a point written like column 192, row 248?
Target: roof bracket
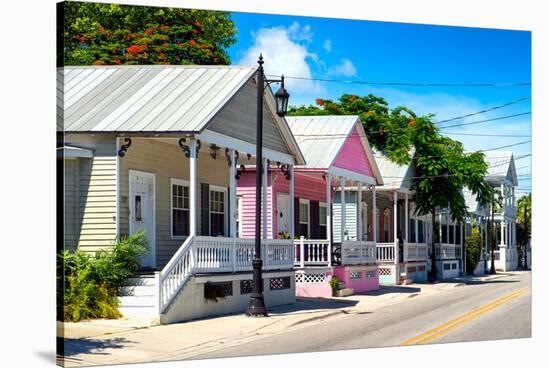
column 185, row 148
column 124, row 147
column 286, row 171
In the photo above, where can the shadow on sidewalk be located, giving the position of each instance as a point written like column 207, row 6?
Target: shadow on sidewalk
column 310, row 305
column 91, row 346
column 391, row 289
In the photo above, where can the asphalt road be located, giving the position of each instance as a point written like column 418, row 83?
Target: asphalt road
column 497, row 309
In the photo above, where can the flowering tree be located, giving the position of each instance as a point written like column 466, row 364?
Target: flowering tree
column 107, row 34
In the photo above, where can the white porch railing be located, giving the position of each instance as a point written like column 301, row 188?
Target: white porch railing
column 358, row 252
column 311, row 252
column 385, row 252
column 416, row 251
column 448, row 251
column 215, row 254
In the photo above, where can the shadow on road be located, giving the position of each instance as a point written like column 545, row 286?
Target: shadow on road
column 92, row 346
column 304, row 305
column 392, row 290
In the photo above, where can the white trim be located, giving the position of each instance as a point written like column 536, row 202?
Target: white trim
column 184, row 183
column 154, row 195
column 337, row 171
column 305, row 201
column 239, row 203
column 242, row 146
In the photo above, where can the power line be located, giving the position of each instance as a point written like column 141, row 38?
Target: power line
column 408, row 84
column 484, row 111
column 487, row 120
column 489, row 135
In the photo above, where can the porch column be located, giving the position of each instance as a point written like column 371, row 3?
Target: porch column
column 193, row 188
column 502, row 222
column 447, row 220
column 416, row 230
column 440, row 228
column 359, row 211
column 329, row 217
column 342, row 207
column 291, row 200
column 232, row 196
column 406, row 217
column 396, row 241
column 462, row 247
column 374, row 215
column 265, row 166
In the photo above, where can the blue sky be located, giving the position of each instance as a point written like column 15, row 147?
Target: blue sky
column 396, row 52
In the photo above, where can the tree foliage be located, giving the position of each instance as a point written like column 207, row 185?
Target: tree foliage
column 523, row 211
column 443, row 169
column 107, row 34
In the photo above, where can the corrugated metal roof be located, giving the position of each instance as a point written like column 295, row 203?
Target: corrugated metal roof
column 145, row 98
column 321, row 137
column 501, row 165
column 395, row 176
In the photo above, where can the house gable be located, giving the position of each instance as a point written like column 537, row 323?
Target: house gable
column 352, row 155
column 237, row 119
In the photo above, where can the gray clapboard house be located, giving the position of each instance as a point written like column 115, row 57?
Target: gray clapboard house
column 158, row 148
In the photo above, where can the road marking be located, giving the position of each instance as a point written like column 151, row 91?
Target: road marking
column 456, row 322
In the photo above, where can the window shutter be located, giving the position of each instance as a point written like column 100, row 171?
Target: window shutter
column 205, row 209
column 296, row 215
column 314, row 219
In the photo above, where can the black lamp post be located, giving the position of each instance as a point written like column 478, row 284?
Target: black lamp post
column 256, row 306
column 493, row 232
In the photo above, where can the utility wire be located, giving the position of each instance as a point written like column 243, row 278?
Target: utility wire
column 409, row 84
column 488, row 135
column 486, row 120
column 484, row 111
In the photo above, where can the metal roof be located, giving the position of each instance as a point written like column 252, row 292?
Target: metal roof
column 321, row 137
column 395, row 176
column 501, row 166
column 145, row 98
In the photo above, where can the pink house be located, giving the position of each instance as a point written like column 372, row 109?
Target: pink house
column 306, row 202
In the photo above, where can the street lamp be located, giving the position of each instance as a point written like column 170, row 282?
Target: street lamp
column 493, row 232
column 256, row 306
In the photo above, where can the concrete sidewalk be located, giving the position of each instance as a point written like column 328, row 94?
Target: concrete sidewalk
column 132, row 341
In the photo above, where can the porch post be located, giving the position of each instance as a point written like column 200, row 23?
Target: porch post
column 374, row 215
column 502, row 221
column 396, row 241
column 193, row 188
column 416, row 229
column 264, row 197
column 447, row 220
column 440, row 229
column 291, row 200
column 406, row 217
column 359, row 211
column 232, row 196
column 342, row 207
column 329, row 217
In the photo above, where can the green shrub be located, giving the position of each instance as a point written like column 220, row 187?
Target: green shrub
column 89, row 284
column 473, row 250
column 334, row 281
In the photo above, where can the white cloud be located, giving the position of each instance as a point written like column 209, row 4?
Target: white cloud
column 327, row 45
column 285, row 52
column 345, row 68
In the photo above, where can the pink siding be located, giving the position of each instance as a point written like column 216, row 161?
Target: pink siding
column 305, row 187
column 358, row 285
column 246, row 189
column 352, row 155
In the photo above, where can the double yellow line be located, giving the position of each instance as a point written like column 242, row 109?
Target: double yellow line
column 447, row 327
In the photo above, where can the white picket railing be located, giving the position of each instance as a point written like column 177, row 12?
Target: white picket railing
column 385, row 252
column 215, row 254
column 416, row 251
column 311, row 252
column 448, row 251
column 358, row 252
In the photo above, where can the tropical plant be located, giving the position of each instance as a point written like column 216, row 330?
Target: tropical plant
column 88, row 284
column 334, row 283
column 473, row 250
column 523, row 218
column 110, row 34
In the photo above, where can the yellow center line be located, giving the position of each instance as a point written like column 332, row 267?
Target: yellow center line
column 454, row 323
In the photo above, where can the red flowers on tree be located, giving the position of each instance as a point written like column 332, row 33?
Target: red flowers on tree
column 192, row 42
column 136, row 49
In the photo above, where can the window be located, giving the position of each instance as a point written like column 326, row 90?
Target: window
column 451, row 234
column 322, row 220
column 421, row 232
column 303, row 228
column 412, row 230
column 217, row 211
column 180, row 207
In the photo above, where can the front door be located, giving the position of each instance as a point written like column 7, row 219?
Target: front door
column 283, row 213
column 142, row 211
